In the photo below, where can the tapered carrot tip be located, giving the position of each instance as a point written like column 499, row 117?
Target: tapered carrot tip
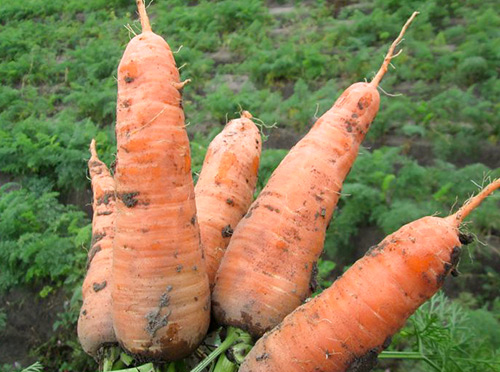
column 143, row 15
column 93, row 152
column 246, row 114
column 390, row 54
column 471, row 204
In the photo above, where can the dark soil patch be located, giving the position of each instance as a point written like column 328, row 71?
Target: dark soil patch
column 29, row 323
column 282, row 138
column 423, row 152
column 80, row 198
column 367, row 236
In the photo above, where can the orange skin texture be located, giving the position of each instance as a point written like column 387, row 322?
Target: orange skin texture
column 352, row 321
column 161, row 297
column 225, row 188
column 266, row 271
column 95, row 323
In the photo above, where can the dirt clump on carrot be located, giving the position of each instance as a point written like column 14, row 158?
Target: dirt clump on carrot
column 267, row 268
column 348, row 324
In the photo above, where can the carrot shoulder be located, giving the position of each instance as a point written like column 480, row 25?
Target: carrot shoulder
column 161, row 302
column 348, row 324
column 95, row 323
column 266, row 271
column 225, row 188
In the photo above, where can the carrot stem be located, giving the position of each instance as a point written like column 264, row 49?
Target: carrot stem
column 149, row 367
column 235, row 336
column 474, row 202
column 225, row 365
column 390, row 54
column 111, row 354
column 232, row 337
column 411, row 355
column 143, row 15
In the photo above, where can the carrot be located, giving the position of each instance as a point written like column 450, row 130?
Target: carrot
column 161, row 298
column 225, row 187
column 348, row 324
column 95, row 323
column 266, row 271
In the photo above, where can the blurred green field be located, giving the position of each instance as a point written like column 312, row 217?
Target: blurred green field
column 434, row 142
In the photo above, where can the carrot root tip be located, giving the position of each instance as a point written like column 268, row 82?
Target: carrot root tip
column 473, row 202
column 93, row 151
column 143, row 15
column 180, row 85
column 246, row 114
column 390, row 54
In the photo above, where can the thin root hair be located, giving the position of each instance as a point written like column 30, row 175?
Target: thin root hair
column 149, row 122
column 179, row 49
column 389, row 94
column 453, row 205
column 240, row 111
column 261, row 125
column 316, row 112
column 130, row 30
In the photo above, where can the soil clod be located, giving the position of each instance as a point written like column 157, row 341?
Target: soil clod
column 227, row 231
column 129, row 199
column 99, row 286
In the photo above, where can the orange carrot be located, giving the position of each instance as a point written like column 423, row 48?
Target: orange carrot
column 348, row 324
column 225, row 187
column 95, row 324
column 161, row 304
column 266, row 271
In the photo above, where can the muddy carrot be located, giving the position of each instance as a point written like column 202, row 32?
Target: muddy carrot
column 95, row 323
column 225, row 188
column 350, row 323
column 267, row 269
column 161, row 304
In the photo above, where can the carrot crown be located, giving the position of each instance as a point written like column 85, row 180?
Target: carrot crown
column 143, row 15
column 390, row 54
column 474, row 202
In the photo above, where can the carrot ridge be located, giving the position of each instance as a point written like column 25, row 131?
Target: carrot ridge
column 390, row 54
